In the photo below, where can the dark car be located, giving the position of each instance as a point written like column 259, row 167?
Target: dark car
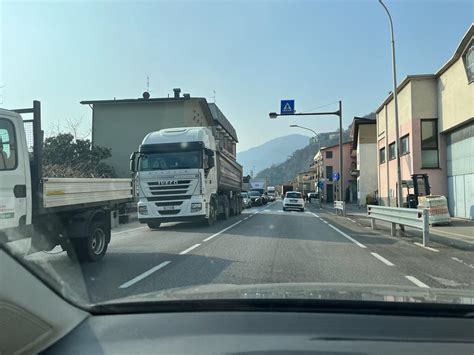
column 255, row 198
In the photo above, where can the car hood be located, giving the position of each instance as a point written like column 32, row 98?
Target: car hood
column 316, row 291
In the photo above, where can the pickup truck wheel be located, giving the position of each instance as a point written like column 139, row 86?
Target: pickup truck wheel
column 92, row 248
column 154, row 225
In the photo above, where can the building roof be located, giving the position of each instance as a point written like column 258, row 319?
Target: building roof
column 213, row 113
column 468, row 36
column 400, row 86
column 466, row 39
column 334, row 145
column 355, row 128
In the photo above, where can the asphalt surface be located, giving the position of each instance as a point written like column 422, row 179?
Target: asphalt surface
column 262, row 245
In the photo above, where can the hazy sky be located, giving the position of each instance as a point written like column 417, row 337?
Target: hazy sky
column 251, row 53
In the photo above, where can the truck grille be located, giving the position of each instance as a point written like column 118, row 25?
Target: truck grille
column 169, row 195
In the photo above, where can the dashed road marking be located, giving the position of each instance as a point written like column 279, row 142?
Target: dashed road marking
column 225, row 229
column 189, row 249
column 416, row 281
column 382, row 259
column 346, row 236
column 145, row 274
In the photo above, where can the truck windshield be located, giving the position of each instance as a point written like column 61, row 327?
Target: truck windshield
column 171, row 160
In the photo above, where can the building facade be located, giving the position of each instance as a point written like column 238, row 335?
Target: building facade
column 364, row 148
column 436, row 125
column 326, row 162
column 121, row 125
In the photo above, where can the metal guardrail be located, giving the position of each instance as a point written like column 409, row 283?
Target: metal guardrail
column 416, row 218
column 340, row 206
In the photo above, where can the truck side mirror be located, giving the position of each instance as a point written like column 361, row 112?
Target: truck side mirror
column 210, row 159
column 133, row 167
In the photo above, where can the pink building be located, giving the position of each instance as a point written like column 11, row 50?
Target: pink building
column 326, row 162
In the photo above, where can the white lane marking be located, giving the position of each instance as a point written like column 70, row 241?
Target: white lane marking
column 128, row 230
column 382, row 259
column 421, row 245
column 189, row 249
column 314, row 214
column 324, row 221
column 225, row 229
column 416, row 281
column 145, row 274
column 462, row 262
column 346, row 236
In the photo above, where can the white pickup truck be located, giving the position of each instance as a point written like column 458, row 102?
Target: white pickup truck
column 73, row 213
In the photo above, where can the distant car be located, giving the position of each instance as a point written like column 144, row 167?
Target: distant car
column 271, row 196
column 246, row 202
column 293, row 200
column 255, row 198
column 312, row 196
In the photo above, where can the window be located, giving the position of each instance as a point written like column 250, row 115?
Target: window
column 382, row 155
column 429, row 144
column 328, row 154
column 391, row 151
column 7, row 146
column 468, row 59
column 405, row 145
column 329, row 172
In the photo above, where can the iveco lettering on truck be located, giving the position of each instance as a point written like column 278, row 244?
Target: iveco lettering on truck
column 183, row 175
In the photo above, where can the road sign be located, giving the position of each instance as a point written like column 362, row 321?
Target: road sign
column 287, row 107
column 320, row 184
column 335, row 176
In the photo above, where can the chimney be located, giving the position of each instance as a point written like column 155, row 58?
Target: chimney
column 187, row 96
column 176, row 92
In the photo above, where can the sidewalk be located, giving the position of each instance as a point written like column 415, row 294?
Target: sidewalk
column 459, row 234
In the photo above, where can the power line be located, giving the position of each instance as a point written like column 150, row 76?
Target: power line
column 332, row 103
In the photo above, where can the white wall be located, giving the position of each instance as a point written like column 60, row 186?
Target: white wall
column 367, row 166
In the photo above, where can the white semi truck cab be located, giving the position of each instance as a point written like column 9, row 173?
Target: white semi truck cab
column 182, row 176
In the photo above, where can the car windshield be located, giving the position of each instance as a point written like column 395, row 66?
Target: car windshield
column 293, row 194
column 173, row 150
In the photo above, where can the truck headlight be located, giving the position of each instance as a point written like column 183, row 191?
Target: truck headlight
column 142, row 210
column 196, row 206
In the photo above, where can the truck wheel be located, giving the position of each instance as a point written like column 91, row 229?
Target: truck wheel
column 212, row 214
column 154, row 225
column 92, row 248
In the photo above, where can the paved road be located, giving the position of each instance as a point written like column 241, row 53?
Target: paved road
column 263, row 245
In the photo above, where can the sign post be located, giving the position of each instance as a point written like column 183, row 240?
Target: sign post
column 287, row 108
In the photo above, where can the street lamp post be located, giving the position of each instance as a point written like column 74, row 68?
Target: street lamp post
column 395, row 101
column 337, row 113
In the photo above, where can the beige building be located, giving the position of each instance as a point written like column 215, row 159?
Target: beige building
column 364, row 149
column 121, row 125
column 436, row 125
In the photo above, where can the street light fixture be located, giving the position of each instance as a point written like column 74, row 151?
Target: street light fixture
column 395, row 101
column 306, row 128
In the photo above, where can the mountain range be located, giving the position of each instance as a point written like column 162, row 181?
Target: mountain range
column 270, row 153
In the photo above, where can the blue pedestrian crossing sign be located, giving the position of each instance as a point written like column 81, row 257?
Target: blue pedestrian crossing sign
column 320, row 184
column 287, row 107
column 335, row 176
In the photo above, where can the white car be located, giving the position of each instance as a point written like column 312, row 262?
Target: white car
column 293, row 200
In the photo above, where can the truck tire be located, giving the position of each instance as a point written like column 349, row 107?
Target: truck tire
column 212, row 214
column 154, row 225
column 92, row 248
